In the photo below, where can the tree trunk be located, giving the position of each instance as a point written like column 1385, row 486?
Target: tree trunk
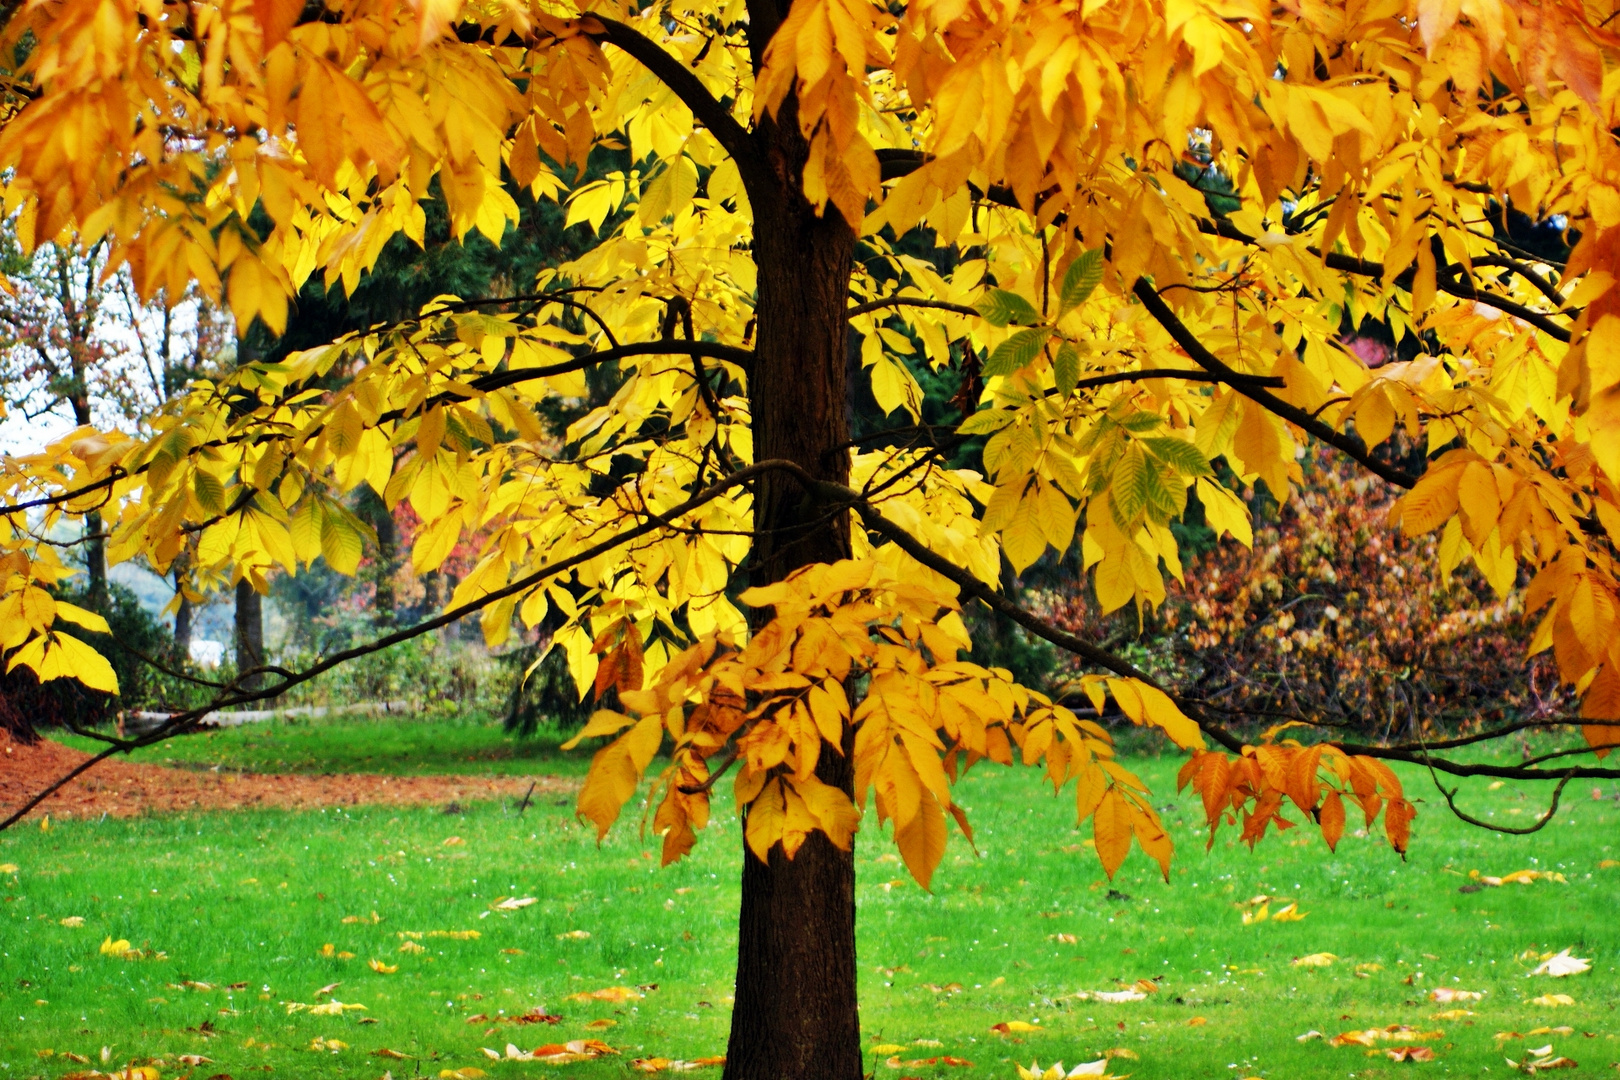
column 795, row 1016
column 95, row 562
column 182, row 630
column 249, row 632
column 95, row 546
column 383, row 568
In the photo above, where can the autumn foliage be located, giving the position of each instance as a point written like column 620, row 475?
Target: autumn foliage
column 997, row 194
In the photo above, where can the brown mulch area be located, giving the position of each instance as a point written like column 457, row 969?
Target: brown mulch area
column 123, row 789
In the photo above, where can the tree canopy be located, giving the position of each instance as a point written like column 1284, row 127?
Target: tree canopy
column 1138, row 234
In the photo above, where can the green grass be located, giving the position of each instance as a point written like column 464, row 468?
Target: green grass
column 396, row 745
column 252, row 897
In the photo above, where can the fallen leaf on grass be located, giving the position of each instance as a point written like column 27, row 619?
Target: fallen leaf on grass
column 1197, row 1021
column 1065, row 939
column 384, row 1052
column 512, row 903
column 373, row 918
column 1007, row 1027
column 615, row 994
column 1315, row 960
column 513, row 952
column 600, row 1025
column 659, row 1064
column 1115, row 997
column 411, row 947
column 922, row 1063
column 381, row 968
column 1290, row 913
column 885, row 1049
column 574, row 935
column 1538, row 1060
column 1608, row 864
column 326, row 991
column 1121, row 1052
column 325, row 1008
column 195, row 1059
column 1308, row 1036
column 1392, row 1033
column 8, row 868
column 1055, row 1072
column 1548, row 1001
column 512, row 1053
column 73, row 922
column 1451, row 1014
column 1409, row 1053
column 468, row 1073
column 571, row 1051
column 453, row 841
column 1562, row 964
column 948, row 988
column 1520, row 877
column 455, row 935
column 1445, row 995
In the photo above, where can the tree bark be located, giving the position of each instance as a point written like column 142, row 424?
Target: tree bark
column 182, row 622
column 249, row 632
column 384, row 566
column 795, row 1016
column 95, row 545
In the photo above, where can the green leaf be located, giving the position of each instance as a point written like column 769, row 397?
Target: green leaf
column 1128, row 488
column 1016, row 352
column 1000, row 307
column 1066, row 369
column 1082, row 277
column 1140, row 421
column 1166, row 494
column 982, row 423
column 1180, row 455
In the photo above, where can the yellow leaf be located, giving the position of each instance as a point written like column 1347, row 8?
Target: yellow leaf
column 1315, row 960
column 1111, row 827
column 921, row 840
column 87, row 619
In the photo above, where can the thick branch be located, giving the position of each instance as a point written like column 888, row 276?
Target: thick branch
column 685, row 84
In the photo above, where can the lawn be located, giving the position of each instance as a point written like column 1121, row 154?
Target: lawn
column 254, row 899
column 397, row 745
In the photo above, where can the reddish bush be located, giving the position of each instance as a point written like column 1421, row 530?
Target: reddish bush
column 1336, row 619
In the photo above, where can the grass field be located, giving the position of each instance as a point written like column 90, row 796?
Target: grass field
column 252, row 899
column 398, row 745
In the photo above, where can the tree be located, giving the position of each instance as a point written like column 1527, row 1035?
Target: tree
column 996, row 192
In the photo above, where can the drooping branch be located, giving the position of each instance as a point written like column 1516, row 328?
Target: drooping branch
column 971, row 587
column 1351, row 264
column 1207, row 360
column 184, row 721
column 1541, row 822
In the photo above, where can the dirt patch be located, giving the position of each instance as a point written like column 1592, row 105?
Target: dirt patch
column 123, row 789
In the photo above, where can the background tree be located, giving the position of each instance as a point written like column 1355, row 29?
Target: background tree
column 816, row 190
